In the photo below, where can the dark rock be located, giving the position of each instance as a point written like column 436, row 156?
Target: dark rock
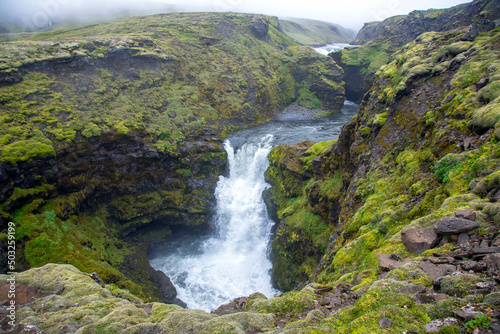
column 435, row 325
column 454, row 225
column 466, row 214
column 260, row 28
column 478, row 26
column 417, row 241
column 473, row 265
column 385, row 322
column 462, row 238
column 165, row 287
column 388, row 263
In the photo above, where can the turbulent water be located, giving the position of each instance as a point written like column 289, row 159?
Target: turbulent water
column 326, row 49
column 232, row 261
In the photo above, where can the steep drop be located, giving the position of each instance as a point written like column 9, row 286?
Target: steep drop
column 234, row 260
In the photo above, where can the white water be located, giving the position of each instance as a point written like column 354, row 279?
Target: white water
column 234, row 261
column 326, row 49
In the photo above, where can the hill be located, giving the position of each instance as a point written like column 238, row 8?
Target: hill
column 315, row 33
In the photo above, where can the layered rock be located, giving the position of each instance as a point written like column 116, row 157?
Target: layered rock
column 109, row 143
column 379, row 40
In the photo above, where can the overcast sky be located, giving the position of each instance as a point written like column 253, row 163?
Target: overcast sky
column 349, row 13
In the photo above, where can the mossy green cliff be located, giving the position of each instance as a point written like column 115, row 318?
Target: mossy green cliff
column 111, row 134
column 379, row 40
column 423, row 145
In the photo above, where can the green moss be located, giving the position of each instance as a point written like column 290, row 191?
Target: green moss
column 27, row 149
column 291, row 303
column 458, row 285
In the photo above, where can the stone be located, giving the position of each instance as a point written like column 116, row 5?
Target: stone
column 385, row 322
column 387, row 262
column 435, row 325
column 454, row 225
column 435, row 271
column 462, row 238
column 468, row 214
column 413, row 289
column 432, row 297
column 473, row 265
column 468, row 312
column 492, row 262
column 417, row 241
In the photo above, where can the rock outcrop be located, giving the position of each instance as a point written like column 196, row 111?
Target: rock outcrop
column 379, row 40
column 109, row 143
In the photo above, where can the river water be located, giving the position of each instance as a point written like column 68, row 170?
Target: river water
column 232, row 260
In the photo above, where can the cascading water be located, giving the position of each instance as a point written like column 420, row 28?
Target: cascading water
column 234, row 262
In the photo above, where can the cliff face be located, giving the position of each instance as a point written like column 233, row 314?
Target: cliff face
column 111, row 134
column 378, row 40
column 423, row 145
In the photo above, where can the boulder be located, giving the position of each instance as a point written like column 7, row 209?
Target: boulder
column 417, row 241
column 435, row 271
column 389, row 262
column 454, row 225
column 466, row 214
column 385, row 322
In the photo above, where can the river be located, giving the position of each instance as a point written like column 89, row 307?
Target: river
column 232, row 260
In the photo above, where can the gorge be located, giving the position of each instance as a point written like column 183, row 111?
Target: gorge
column 114, row 138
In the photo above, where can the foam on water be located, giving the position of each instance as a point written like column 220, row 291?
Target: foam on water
column 234, row 261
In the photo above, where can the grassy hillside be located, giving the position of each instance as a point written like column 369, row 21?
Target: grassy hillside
column 313, row 32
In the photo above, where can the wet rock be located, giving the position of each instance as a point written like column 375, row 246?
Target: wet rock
column 454, row 225
column 435, row 325
column 385, row 322
column 390, row 261
column 417, row 241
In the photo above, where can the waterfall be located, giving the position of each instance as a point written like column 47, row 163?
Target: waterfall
column 234, row 261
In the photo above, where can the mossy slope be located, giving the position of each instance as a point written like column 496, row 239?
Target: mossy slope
column 111, row 134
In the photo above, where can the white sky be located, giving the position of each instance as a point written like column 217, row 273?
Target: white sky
column 349, row 13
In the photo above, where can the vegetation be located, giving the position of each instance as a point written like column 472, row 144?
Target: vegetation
column 312, row 32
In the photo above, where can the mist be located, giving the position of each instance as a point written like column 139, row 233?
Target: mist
column 33, row 15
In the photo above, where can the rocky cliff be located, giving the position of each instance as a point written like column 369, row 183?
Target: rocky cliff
column 111, row 134
column 379, row 40
column 421, row 154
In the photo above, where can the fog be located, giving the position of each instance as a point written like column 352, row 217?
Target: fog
column 29, row 15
